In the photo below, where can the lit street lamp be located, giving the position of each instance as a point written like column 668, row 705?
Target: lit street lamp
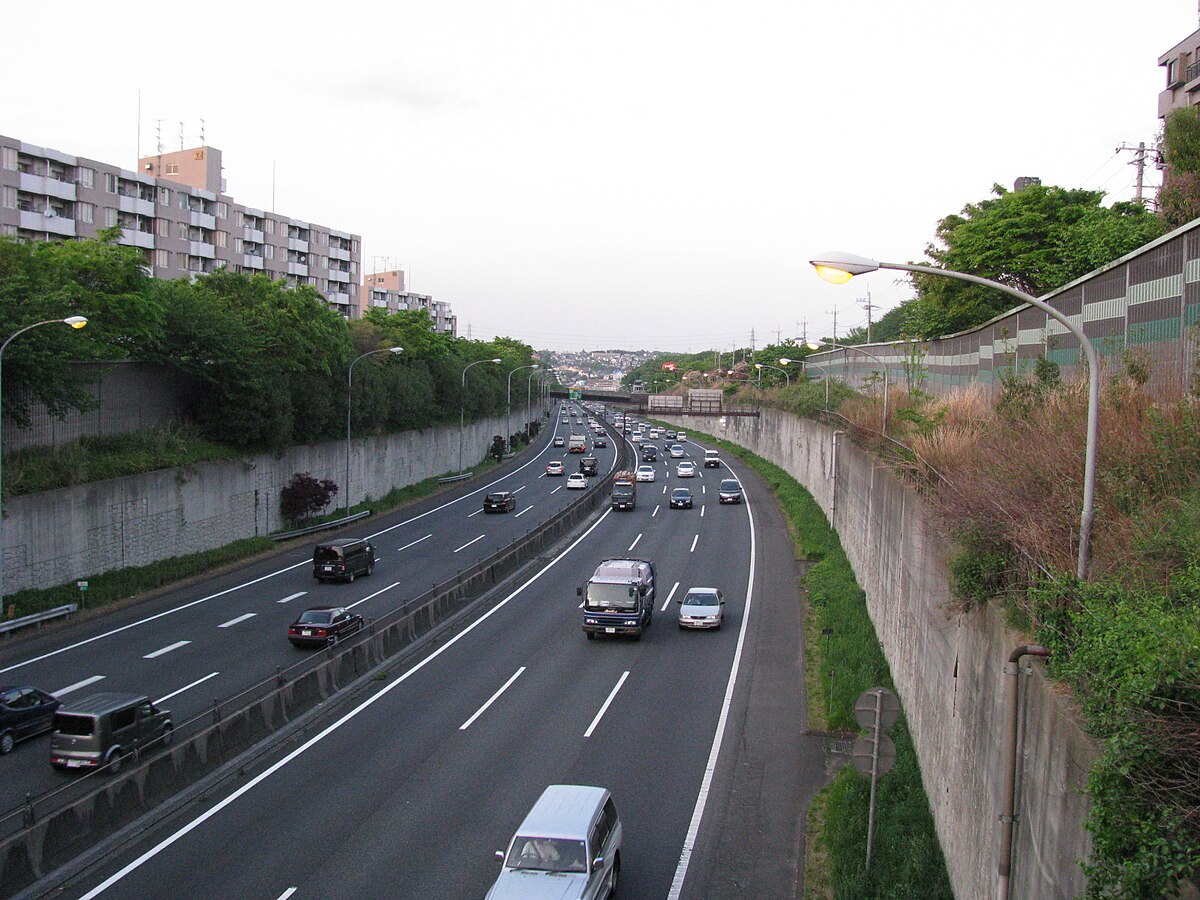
column 508, row 417
column 817, row 345
column 462, row 408
column 761, row 366
column 838, row 268
column 349, row 384
column 75, row 322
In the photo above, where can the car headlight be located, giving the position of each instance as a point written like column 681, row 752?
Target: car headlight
column 589, row 621
column 631, row 622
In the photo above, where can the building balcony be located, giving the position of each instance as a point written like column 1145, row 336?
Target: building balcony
column 49, row 187
column 298, row 245
column 254, row 235
column 298, row 269
column 202, row 249
column 136, row 206
column 339, row 253
column 39, row 221
column 131, row 237
column 252, row 262
column 203, row 220
column 335, row 275
column 338, row 297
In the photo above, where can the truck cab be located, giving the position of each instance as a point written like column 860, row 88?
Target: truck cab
column 576, row 443
column 624, row 491
column 619, row 598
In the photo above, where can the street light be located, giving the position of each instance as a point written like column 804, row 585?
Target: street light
column 804, row 362
column 349, row 384
column 761, row 366
column 75, row 322
column 817, row 345
column 839, row 268
column 529, row 393
column 462, row 407
column 508, row 417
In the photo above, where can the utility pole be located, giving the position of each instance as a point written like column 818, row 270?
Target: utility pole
column 803, row 326
column 1139, row 160
column 834, row 313
column 753, row 348
column 867, row 303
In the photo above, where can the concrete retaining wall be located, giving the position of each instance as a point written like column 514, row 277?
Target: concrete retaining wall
column 947, row 668
column 59, row 536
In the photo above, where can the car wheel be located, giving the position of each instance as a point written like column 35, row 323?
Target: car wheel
column 6, row 742
column 350, row 579
column 590, row 636
column 114, row 760
column 615, row 877
column 332, row 639
column 168, row 735
column 371, row 569
column 718, row 628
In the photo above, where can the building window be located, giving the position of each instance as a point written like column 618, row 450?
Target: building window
column 162, row 227
column 237, row 245
column 10, row 158
column 85, row 176
column 222, row 209
column 110, row 217
column 268, row 250
column 164, row 196
column 270, row 229
column 10, row 197
column 172, row 168
column 183, row 200
column 85, row 212
column 110, row 182
column 222, row 239
column 181, row 261
column 162, row 259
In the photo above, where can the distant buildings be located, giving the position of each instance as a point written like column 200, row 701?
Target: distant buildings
column 386, row 290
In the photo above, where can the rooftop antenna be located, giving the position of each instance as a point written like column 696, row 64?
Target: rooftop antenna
column 202, row 144
column 180, row 135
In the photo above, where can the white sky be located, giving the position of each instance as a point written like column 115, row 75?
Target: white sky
column 611, row 174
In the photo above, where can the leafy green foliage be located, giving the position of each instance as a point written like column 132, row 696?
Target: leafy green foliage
column 1179, row 197
column 980, row 568
column 305, row 495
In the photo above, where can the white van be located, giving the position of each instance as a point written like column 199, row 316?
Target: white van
column 572, row 837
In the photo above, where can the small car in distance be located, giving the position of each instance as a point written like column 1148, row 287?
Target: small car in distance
column 25, row 711
column 686, row 469
column 702, row 607
column 677, row 451
column 589, row 465
column 712, row 459
column 681, row 498
column 555, row 467
column 681, row 436
column 560, row 441
column 645, row 473
column 730, row 491
column 576, row 481
column 649, row 453
column 499, row 501
column 322, row 625
column 599, row 440
column 670, row 435
column 635, row 438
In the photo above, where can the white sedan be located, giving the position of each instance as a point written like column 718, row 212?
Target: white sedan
column 686, row 469
column 677, row 451
column 576, row 481
column 701, row 607
column 645, row 473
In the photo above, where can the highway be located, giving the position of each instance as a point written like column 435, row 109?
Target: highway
column 215, row 638
column 407, row 789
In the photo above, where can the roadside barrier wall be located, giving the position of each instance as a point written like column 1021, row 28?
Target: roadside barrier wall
column 947, row 667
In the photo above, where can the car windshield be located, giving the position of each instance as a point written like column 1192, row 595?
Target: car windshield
column 547, row 854
column 698, row 599
column 730, row 486
column 497, row 497
column 316, row 617
column 681, row 492
column 609, row 596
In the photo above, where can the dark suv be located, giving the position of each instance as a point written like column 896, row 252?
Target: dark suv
column 730, row 491
column 499, row 501
column 343, row 559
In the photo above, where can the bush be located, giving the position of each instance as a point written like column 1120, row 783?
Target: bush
column 305, row 496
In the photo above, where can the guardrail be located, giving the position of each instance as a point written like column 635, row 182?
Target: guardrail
column 450, row 479
column 8, row 626
column 324, row 526
column 51, row 829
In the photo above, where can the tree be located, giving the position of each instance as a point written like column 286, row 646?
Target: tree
column 1179, row 196
column 305, row 495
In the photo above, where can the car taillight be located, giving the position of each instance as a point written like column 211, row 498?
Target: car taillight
column 319, row 632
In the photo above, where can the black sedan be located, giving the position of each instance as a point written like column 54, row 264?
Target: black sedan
column 323, row 625
column 24, row 712
column 681, row 498
column 599, row 441
column 499, row 501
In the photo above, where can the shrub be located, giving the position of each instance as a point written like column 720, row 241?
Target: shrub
column 304, row 496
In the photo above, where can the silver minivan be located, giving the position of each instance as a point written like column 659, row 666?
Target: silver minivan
column 102, row 729
column 569, row 846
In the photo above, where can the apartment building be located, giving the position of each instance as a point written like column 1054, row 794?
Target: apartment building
column 1182, row 65
column 174, row 208
column 386, row 290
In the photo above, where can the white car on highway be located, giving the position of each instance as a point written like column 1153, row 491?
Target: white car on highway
column 576, row 481
column 701, row 607
column 686, row 469
column 645, row 473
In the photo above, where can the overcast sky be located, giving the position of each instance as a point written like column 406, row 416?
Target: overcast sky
column 611, row 174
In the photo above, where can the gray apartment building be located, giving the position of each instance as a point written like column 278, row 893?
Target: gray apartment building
column 386, row 291
column 1182, row 65
column 175, row 210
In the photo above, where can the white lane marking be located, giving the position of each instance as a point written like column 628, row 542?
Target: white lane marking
column 233, row 622
column 306, row 562
column 557, row 489
column 469, row 543
column 635, row 540
column 703, row 489
column 522, row 512
column 286, row 894
column 474, row 514
column 521, row 488
column 496, row 696
column 77, row 685
column 258, row 779
column 669, row 596
column 664, row 488
column 689, row 842
column 158, row 653
column 702, row 510
column 612, row 695
column 187, row 687
column 695, row 540
column 376, row 594
column 414, row 543
column 655, row 513
column 291, row 597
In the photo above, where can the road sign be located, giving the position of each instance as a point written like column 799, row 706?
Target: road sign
column 864, row 708
column 861, row 752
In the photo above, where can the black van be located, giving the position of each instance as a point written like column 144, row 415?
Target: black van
column 343, row 559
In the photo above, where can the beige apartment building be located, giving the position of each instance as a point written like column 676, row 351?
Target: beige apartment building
column 386, row 291
column 1182, row 65
column 175, row 210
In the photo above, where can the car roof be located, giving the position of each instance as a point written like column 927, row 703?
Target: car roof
column 682, row 490
column 564, row 811
column 102, row 703
column 702, row 590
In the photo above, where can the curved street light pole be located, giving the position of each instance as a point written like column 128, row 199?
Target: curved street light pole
column 462, row 407
column 840, row 267
column 349, row 384
column 761, row 366
column 508, row 417
column 529, row 394
column 75, row 322
column 816, row 345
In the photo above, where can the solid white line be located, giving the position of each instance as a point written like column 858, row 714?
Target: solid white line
column 689, row 842
column 158, row 653
column 258, row 779
column 634, row 544
column 188, row 687
column 604, row 708
column 414, row 543
column 292, row 596
column 469, row 543
column 496, row 696
column 695, row 540
column 286, row 894
column 669, row 596
column 77, row 685
column 522, row 512
column 376, row 594
column 474, row 514
column 233, row 622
